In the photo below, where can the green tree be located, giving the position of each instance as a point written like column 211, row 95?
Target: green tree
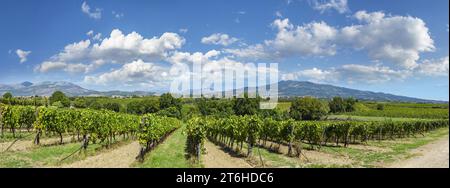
column 350, row 104
column 7, row 97
column 246, row 105
column 80, row 103
column 170, row 112
column 337, row 104
column 113, row 106
column 380, row 106
column 167, row 100
column 308, row 108
column 61, row 97
column 95, row 105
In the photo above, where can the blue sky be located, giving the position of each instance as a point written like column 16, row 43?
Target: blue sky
column 398, row 47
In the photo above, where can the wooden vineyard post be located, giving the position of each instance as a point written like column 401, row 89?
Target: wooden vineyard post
column 291, row 133
column 143, row 149
column 36, row 139
column 199, row 151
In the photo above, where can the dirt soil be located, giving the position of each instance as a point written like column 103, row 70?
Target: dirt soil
column 121, row 157
column 217, row 158
column 22, row 145
column 433, row 155
column 315, row 157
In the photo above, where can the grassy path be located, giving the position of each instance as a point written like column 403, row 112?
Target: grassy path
column 169, row 154
column 433, row 155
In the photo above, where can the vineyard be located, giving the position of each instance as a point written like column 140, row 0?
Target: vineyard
column 253, row 130
column 239, row 134
column 87, row 126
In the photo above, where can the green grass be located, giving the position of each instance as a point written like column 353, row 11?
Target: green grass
column 8, row 136
column 45, row 156
column 366, row 118
column 405, row 110
column 284, row 106
column 392, row 149
column 169, row 154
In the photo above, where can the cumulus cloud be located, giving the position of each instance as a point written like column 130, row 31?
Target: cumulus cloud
column 135, row 73
column 350, row 73
column 219, row 39
column 95, row 14
column 315, row 38
column 183, row 30
column 118, row 15
column 94, row 36
column 117, row 48
column 257, row 51
column 434, row 67
column 22, row 55
column 340, row 6
column 196, row 57
column 395, row 39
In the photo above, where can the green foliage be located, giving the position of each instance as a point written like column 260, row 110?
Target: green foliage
column 380, row 106
column 7, row 95
column 143, row 107
column 16, row 117
column 80, row 103
column 113, row 106
column 61, row 97
column 99, row 125
column 403, row 110
column 196, row 134
column 170, row 112
column 215, row 107
column 95, row 105
column 166, row 101
column 337, row 104
column 154, row 128
column 58, row 104
column 308, row 108
column 246, row 105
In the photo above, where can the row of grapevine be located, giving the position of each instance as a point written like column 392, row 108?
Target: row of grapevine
column 93, row 125
column 102, row 126
column 250, row 129
column 16, row 118
column 153, row 130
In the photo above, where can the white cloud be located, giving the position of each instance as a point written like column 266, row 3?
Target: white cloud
column 94, row 36
column 350, row 73
column 117, row 48
column 95, row 14
column 219, row 39
column 118, row 15
column 369, row 17
column 22, row 55
column 135, row 73
column 397, row 39
column 278, row 14
column 183, row 30
column 340, row 6
column 434, row 67
column 315, row 38
column 197, row 57
column 257, row 51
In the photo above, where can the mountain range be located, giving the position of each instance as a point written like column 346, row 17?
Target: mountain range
column 285, row 89
column 70, row 89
